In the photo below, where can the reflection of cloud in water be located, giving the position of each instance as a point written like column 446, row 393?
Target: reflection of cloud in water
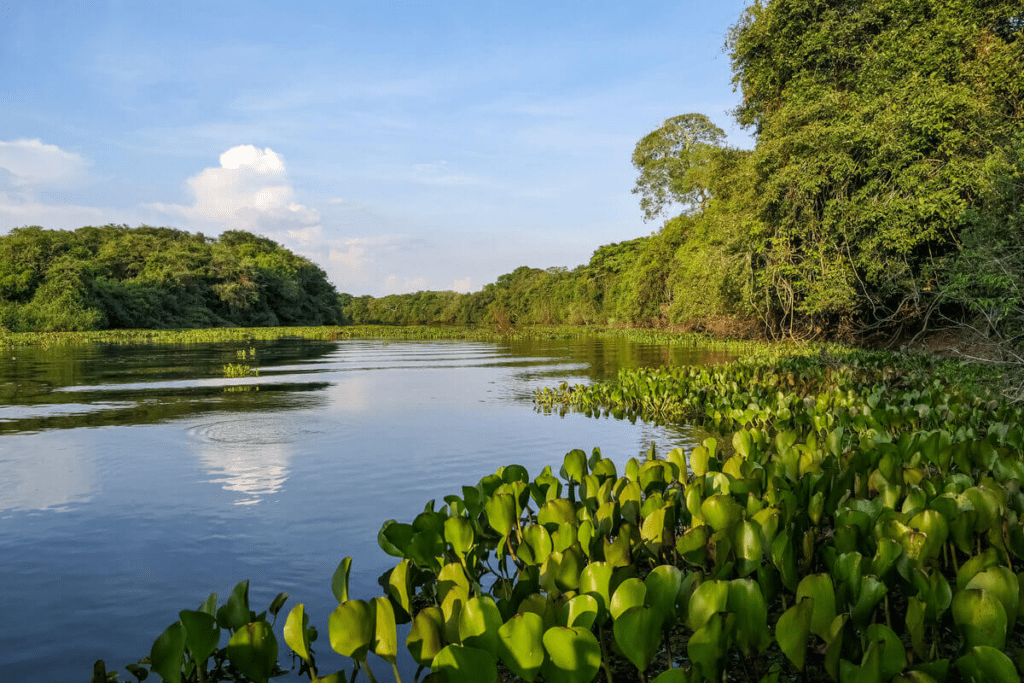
column 43, row 472
column 351, row 392
column 248, row 454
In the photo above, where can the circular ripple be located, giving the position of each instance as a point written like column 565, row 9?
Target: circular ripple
column 255, row 429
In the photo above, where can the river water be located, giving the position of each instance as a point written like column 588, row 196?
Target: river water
column 135, row 481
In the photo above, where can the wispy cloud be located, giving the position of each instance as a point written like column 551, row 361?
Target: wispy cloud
column 31, row 164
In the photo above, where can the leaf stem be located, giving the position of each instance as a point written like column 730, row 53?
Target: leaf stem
column 369, row 671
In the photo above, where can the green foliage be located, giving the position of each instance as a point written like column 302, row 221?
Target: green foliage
column 115, row 277
column 876, row 125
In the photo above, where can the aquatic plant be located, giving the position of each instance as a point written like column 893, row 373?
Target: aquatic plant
column 240, row 370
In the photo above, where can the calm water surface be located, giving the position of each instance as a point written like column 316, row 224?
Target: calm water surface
column 136, row 481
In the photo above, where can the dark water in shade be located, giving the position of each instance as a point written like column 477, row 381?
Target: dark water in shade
column 134, row 481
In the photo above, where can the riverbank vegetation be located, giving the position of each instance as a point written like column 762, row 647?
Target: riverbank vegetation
column 115, row 277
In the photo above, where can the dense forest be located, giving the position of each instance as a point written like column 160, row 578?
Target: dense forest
column 156, row 278
column 884, row 193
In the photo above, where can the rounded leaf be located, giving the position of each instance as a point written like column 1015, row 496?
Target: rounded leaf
column 479, row 624
column 350, row 628
column 253, row 651
column 574, row 655
column 520, row 645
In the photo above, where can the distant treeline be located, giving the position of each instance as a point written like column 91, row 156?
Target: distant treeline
column 885, row 190
column 622, row 283
column 115, row 277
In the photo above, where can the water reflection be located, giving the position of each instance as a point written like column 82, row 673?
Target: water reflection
column 44, row 476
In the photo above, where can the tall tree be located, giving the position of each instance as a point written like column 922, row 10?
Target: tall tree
column 673, row 161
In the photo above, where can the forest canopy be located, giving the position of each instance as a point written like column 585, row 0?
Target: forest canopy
column 156, row 278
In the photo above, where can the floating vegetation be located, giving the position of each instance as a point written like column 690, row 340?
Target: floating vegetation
column 240, row 370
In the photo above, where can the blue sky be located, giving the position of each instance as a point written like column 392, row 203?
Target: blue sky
column 399, row 145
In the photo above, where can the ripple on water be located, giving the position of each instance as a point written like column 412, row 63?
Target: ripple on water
column 257, row 429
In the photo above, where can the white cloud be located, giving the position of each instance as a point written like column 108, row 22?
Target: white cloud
column 31, row 164
column 396, row 285
column 249, row 191
column 464, row 285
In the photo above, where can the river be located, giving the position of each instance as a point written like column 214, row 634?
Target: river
column 135, row 481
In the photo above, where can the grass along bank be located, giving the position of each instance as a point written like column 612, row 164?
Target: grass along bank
column 331, row 332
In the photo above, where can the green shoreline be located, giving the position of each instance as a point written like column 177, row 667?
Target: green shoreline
column 412, row 332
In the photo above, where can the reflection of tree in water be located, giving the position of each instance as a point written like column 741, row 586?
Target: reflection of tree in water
column 33, row 383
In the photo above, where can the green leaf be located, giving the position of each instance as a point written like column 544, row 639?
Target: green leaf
column 984, row 664
column 980, row 617
column 235, row 614
column 385, row 636
column 1002, row 584
column 394, row 538
column 201, row 635
column 638, row 634
column 630, row 593
column 253, row 651
column 721, row 511
column 459, row 533
column 893, row 656
column 350, row 628
column 595, row 580
column 819, row 587
column 461, row 664
column 399, row 586
column 557, row 512
column 707, row 647
column 707, row 600
column 663, row 584
column 574, row 466
column 295, row 634
column 538, row 539
column 574, row 655
column 479, row 624
column 672, row 676
column 520, row 645
column 339, row 582
column 277, row 604
column 209, row 605
column 747, row 602
column 580, row 610
column 426, row 635
column 168, row 653
column 793, row 630
column 501, row 513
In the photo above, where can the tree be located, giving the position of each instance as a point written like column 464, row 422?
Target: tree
column 672, row 162
column 876, row 123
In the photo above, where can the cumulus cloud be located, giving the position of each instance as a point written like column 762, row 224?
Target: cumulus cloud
column 249, row 191
column 33, row 164
column 464, row 285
